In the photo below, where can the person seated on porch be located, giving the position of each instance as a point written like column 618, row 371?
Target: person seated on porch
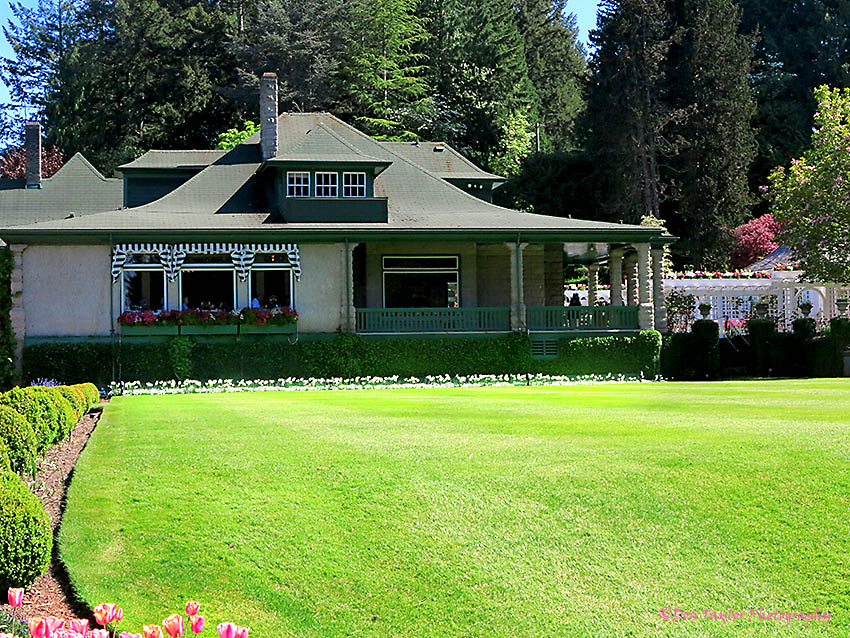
column 185, row 305
column 255, row 303
column 574, row 300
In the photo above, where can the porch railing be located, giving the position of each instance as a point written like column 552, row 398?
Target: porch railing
column 582, row 318
column 433, row 320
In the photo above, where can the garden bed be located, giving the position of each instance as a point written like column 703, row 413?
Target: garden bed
column 52, row 593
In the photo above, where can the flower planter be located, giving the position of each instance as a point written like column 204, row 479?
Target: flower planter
column 268, row 329
column 142, row 330
column 209, row 329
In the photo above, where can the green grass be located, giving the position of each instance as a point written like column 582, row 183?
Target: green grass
column 576, row 511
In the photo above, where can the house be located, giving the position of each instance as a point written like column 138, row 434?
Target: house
column 357, row 235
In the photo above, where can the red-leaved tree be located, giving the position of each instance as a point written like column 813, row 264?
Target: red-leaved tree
column 754, row 240
column 13, row 164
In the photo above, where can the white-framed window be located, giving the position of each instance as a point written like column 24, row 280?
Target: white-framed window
column 421, row 281
column 326, row 185
column 297, row 184
column 143, row 285
column 354, row 184
column 208, row 282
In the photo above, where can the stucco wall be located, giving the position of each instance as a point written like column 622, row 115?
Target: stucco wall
column 553, row 258
column 534, row 277
column 66, row 290
column 465, row 251
column 494, row 275
column 320, row 295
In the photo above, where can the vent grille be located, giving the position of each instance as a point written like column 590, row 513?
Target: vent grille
column 544, row 349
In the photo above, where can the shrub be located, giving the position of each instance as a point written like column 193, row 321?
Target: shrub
column 90, row 392
column 37, row 408
column 63, row 413
column 76, row 398
column 5, row 461
column 19, row 440
column 761, row 333
column 805, row 328
column 26, row 538
column 694, row 355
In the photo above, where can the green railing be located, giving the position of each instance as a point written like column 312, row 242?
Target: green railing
column 582, row 317
column 433, row 320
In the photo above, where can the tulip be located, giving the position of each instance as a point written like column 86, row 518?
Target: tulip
column 192, row 608
column 173, row 625
column 99, row 633
column 242, row 632
column 36, row 627
column 197, row 624
column 227, row 630
column 80, row 626
column 104, row 613
column 119, row 614
column 51, row 625
column 152, row 631
column 127, row 634
column 16, row 596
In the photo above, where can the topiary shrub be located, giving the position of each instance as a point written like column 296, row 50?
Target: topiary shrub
column 5, row 461
column 76, row 398
column 37, row 409
column 26, row 539
column 64, row 414
column 90, row 392
column 761, row 333
column 19, row 440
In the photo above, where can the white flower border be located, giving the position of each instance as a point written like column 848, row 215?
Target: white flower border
column 191, row 386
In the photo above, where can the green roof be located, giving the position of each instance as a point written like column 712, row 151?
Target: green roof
column 227, row 198
column 441, row 159
column 76, row 188
column 175, row 160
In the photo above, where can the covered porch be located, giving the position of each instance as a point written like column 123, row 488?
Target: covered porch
column 491, row 288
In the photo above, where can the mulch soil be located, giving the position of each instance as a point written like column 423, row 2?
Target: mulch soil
column 52, row 594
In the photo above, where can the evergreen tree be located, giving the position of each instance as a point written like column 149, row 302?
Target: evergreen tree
column 707, row 78
column 627, row 112
column 384, row 74
column 556, row 67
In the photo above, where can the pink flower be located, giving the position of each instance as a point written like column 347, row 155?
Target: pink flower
column 99, row 633
column 16, row 596
column 227, row 630
column 152, row 631
column 192, row 608
column 242, row 632
column 127, row 634
column 36, row 627
column 198, row 623
column 104, row 613
column 52, row 624
column 173, row 625
column 79, row 625
column 119, row 613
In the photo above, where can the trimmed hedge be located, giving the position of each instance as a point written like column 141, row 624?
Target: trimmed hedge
column 344, row 355
column 90, row 393
column 19, row 440
column 37, row 409
column 64, row 411
column 26, row 538
column 76, row 398
column 5, row 461
column 692, row 356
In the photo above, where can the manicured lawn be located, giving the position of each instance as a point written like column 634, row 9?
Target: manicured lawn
column 576, row 511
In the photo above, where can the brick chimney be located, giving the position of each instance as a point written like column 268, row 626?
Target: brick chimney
column 32, row 147
column 268, row 115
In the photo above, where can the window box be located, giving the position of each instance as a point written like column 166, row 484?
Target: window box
column 268, row 329
column 145, row 330
column 209, row 329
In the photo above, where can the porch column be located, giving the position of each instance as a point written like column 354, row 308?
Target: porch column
column 630, row 266
column 645, row 318
column 16, row 314
column 592, row 284
column 659, row 308
column 517, row 286
column 615, row 267
column 829, row 303
column 347, row 313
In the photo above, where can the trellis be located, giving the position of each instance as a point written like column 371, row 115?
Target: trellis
column 172, row 256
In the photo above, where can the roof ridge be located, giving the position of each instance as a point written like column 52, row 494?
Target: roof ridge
column 80, row 158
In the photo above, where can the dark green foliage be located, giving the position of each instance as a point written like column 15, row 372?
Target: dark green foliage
column 19, row 440
column 805, row 328
column 180, row 354
column 761, row 332
column 692, row 356
column 76, row 398
column 26, row 538
column 351, row 355
column 7, row 336
column 37, row 409
column 11, row 625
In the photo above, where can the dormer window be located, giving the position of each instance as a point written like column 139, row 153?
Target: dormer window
column 326, row 185
column 297, row 184
column 354, row 184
